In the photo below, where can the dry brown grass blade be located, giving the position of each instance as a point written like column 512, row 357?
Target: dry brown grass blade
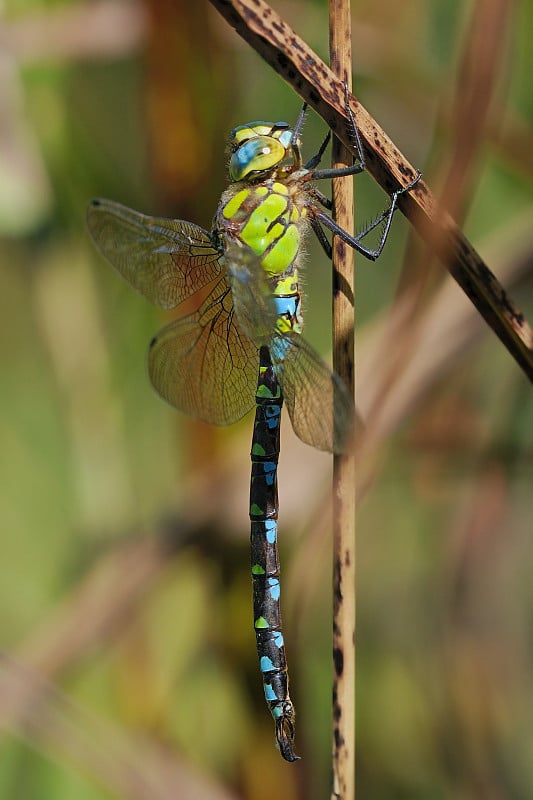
column 294, row 60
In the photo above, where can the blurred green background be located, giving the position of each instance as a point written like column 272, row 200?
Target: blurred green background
column 128, row 655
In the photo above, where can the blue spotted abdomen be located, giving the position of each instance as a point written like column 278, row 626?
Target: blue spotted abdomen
column 264, row 554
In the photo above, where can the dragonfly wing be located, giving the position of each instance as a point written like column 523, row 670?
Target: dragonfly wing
column 320, row 407
column 203, row 364
column 166, row 260
column 252, row 297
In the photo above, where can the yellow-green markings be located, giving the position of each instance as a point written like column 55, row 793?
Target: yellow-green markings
column 282, row 254
column 257, row 233
column 233, row 205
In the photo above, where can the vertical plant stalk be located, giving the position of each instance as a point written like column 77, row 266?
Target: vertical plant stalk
column 344, row 465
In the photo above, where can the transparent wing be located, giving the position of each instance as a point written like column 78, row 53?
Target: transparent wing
column 252, row 297
column 203, row 364
column 320, row 407
column 166, row 260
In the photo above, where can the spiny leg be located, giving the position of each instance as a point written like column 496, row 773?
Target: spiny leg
column 297, row 130
column 295, row 138
column 385, row 218
column 315, row 160
column 360, row 163
column 321, row 236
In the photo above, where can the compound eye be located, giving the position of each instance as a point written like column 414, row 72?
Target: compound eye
column 255, row 155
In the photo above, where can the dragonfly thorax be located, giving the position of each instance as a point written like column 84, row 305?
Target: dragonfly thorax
column 258, row 148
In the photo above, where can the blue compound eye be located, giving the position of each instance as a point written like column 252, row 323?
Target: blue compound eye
column 256, row 155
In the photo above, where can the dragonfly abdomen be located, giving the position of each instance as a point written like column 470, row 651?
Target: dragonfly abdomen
column 264, row 554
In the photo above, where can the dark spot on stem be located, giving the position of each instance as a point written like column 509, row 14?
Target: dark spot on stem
column 338, row 661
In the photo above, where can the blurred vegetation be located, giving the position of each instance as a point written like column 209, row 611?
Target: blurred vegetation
column 128, row 656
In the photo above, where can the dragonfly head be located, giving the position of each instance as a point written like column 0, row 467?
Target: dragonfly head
column 259, row 148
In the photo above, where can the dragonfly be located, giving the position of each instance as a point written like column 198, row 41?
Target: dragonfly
column 242, row 344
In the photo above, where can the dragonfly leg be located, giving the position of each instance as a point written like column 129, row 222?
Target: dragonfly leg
column 315, row 160
column 359, row 164
column 297, row 130
column 384, row 219
column 295, row 138
column 320, row 197
column 321, row 236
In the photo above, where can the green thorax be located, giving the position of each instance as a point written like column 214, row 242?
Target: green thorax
column 266, row 217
